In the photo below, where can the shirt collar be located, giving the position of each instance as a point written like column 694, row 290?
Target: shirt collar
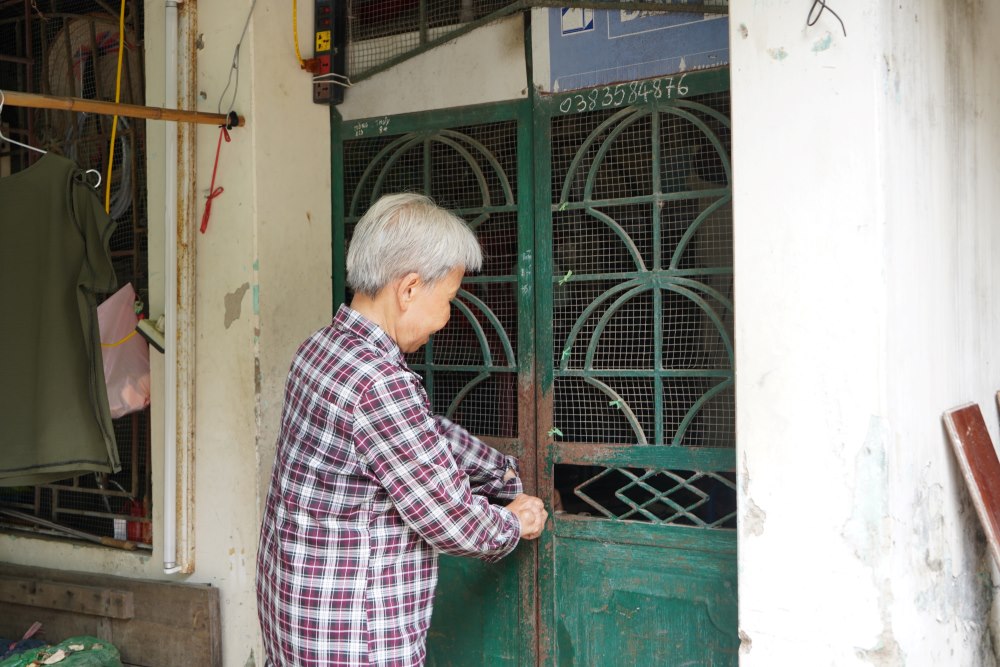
column 354, row 322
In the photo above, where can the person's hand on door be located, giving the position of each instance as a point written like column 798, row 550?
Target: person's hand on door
column 530, row 512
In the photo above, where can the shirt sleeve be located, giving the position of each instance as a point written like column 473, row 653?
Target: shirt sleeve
column 484, row 465
column 398, row 439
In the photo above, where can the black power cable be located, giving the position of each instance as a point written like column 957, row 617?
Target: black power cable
column 815, row 13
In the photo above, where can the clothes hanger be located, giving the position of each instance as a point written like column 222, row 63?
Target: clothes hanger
column 13, row 141
column 38, row 150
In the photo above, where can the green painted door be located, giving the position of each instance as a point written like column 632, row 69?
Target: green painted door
column 635, row 416
column 478, row 370
column 596, row 345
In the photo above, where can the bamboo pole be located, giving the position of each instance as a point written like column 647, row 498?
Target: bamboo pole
column 16, row 99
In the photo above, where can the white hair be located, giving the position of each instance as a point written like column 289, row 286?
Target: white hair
column 408, row 233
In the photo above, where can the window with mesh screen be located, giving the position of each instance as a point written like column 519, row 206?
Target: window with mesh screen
column 380, row 31
column 642, row 310
column 71, row 48
column 470, row 367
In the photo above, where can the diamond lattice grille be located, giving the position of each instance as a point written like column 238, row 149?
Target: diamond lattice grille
column 691, row 498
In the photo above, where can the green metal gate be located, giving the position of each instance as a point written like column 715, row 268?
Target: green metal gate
column 635, row 418
column 478, row 370
column 614, row 386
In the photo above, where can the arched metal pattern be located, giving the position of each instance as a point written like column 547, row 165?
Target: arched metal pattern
column 641, row 305
column 642, row 272
column 470, row 367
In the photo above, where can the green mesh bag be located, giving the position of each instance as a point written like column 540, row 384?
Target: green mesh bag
column 81, row 651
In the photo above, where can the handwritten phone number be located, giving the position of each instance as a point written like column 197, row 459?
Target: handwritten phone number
column 624, row 93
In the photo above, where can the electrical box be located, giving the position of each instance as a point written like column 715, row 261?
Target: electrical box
column 330, row 51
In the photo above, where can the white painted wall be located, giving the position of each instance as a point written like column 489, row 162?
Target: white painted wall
column 865, row 196
column 263, row 274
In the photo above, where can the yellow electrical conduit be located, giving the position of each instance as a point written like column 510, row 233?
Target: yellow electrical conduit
column 295, row 33
column 114, row 120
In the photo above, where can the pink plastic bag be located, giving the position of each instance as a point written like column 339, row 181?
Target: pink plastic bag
column 126, row 353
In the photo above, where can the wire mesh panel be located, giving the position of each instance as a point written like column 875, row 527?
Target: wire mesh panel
column 382, row 33
column 641, row 294
column 71, row 48
column 469, row 368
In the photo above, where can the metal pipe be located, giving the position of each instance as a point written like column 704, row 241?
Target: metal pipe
column 73, row 532
column 170, row 300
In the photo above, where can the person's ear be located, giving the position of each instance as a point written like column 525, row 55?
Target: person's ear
column 406, row 289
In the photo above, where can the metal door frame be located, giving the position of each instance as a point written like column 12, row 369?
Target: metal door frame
column 536, row 375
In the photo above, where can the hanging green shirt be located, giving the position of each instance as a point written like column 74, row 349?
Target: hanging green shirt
column 54, row 416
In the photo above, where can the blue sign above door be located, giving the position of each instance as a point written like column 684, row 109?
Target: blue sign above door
column 590, row 47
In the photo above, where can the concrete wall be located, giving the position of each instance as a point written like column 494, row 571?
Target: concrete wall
column 865, row 191
column 462, row 72
column 939, row 73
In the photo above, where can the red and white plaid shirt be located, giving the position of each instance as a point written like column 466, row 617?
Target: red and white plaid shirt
column 368, row 486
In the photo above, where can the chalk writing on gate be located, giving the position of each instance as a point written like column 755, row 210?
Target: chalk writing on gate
column 361, row 127
column 624, row 93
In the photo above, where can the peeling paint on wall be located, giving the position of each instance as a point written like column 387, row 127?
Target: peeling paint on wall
column 863, row 530
column 886, row 651
column 745, row 642
column 256, row 287
column 868, row 533
column 928, row 524
column 754, row 518
column 778, row 53
column 234, row 304
column 823, row 44
column 238, row 566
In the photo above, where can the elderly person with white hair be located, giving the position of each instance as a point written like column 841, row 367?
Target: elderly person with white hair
column 368, row 485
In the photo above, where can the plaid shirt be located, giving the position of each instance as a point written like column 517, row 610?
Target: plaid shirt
column 368, row 486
